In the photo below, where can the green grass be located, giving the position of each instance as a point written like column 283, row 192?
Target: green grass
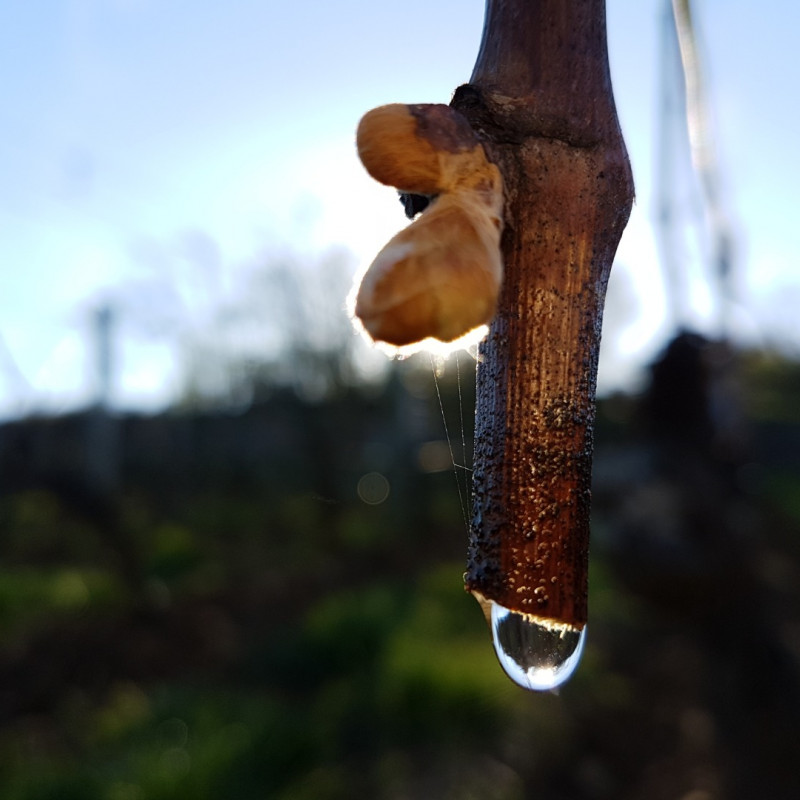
column 31, row 597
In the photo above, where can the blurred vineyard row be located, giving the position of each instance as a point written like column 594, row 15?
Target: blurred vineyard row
column 266, row 602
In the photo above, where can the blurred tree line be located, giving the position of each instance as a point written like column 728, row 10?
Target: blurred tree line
column 257, row 594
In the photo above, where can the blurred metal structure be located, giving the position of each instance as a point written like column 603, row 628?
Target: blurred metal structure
column 684, row 112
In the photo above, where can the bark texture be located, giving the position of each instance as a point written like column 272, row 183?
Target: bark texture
column 540, row 99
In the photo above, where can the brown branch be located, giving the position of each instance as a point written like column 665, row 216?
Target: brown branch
column 540, row 99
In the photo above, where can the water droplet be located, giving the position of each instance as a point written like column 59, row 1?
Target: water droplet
column 535, row 653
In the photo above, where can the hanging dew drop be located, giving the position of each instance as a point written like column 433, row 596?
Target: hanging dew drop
column 535, row 653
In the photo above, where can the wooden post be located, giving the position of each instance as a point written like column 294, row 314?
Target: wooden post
column 540, row 100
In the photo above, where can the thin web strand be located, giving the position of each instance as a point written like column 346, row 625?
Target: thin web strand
column 461, row 500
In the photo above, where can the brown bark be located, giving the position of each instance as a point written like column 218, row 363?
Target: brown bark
column 540, row 99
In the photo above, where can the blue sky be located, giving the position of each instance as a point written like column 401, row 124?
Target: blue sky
column 156, row 154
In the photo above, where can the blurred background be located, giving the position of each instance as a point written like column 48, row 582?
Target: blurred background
column 232, row 535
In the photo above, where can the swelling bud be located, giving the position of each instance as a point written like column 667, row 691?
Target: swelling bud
column 439, row 277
